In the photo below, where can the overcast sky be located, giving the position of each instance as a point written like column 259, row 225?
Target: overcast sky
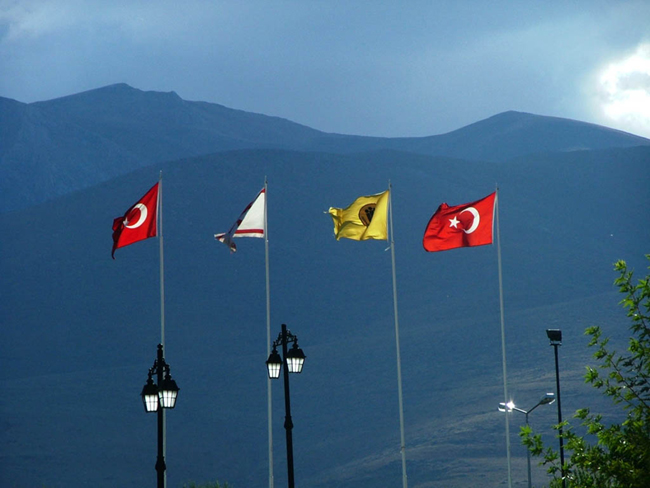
column 383, row 68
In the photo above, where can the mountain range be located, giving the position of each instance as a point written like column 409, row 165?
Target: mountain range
column 48, row 149
column 79, row 330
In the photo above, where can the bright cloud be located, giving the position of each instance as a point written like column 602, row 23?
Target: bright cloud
column 624, row 90
column 31, row 19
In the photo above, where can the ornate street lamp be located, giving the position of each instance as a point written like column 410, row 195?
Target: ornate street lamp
column 293, row 361
column 157, row 398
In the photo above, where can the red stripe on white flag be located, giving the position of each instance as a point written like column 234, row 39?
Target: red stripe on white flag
column 249, row 224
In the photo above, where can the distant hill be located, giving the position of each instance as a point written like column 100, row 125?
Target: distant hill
column 78, row 330
column 48, row 149
column 513, row 134
column 52, row 148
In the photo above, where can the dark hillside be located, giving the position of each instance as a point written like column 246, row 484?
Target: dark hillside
column 514, row 134
column 51, row 148
column 80, row 330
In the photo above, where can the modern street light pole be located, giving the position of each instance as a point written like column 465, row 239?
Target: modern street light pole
column 293, row 361
column 156, row 398
column 555, row 336
column 510, row 406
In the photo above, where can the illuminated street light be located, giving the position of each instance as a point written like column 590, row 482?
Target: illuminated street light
column 157, row 398
column 510, row 406
column 293, row 361
column 555, row 336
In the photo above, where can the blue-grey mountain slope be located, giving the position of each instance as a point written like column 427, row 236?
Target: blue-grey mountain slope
column 48, row 149
column 79, row 330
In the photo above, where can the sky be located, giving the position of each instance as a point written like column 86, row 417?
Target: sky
column 379, row 68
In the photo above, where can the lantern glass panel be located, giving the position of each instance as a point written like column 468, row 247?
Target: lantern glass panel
column 295, row 364
column 168, row 393
column 274, row 364
column 150, row 396
column 295, row 359
column 274, row 370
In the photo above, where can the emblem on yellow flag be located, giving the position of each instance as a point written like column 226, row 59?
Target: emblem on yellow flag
column 365, row 218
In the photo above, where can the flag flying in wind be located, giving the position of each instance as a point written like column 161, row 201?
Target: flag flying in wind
column 365, row 219
column 460, row 226
column 249, row 224
column 138, row 223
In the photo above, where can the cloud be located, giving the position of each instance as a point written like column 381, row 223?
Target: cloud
column 32, row 19
column 624, row 91
column 390, row 68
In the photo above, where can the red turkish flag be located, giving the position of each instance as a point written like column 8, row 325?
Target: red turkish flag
column 460, row 226
column 139, row 221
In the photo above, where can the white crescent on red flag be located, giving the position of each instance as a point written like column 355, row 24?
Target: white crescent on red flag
column 460, row 226
column 138, row 223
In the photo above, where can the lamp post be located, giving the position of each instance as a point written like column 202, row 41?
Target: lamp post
column 157, row 397
column 510, row 406
column 293, row 361
column 555, row 336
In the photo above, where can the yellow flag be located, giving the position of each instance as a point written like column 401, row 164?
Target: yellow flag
column 365, row 219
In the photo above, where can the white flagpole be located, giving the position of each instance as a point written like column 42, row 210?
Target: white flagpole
column 162, row 263
column 268, row 333
column 503, row 337
column 162, row 303
column 399, row 361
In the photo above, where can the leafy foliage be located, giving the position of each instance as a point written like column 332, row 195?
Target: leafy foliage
column 615, row 455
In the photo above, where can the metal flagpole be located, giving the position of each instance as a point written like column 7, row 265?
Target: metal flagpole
column 268, row 333
column 399, row 361
column 503, row 336
column 162, row 263
column 162, row 304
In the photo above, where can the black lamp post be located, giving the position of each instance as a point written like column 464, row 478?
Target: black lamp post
column 156, row 398
column 510, row 406
column 293, row 361
column 555, row 336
